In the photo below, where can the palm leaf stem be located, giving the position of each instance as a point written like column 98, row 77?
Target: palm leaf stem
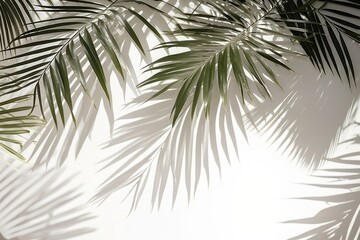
column 340, row 30
column 274, row 6
column 237, row 38
column 75, row 34
column 177, row 112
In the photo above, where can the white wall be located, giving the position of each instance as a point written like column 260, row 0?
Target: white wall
column 252, row 196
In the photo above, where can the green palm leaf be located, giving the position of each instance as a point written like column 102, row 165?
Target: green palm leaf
column 51, row 60
column 15, row 15
column 333, row 23
column 15, row 125
column 73, row 29
column 178, row 157
column 223, row 39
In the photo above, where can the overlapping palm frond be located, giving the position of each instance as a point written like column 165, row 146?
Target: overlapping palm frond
column 56, row 145
column 73, row 31
column 15, row 124
column 59, row 58
column 307, row 138
column 219, row 41
column 15, row 15
column 331, row 26
column 341, row 219
column 36, row 205
column 150, row 153
column 241, row 39
column 224, row 40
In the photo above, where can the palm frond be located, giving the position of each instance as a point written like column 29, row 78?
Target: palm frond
column 73, row 30
column 70, row 52
column 15, row 15
column 224, row 39
column 57, row 145
column 150, row 153
column 36, row 205
column 331, row 26
column 15, row 124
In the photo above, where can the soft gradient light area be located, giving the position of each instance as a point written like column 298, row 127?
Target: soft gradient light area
column 250, row 200
column 254, row 194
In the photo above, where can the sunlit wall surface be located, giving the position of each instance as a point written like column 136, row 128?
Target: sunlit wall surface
column 253, row 171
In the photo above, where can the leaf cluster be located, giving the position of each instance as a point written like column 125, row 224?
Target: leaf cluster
column 14, row 124
column 328, row 26
column 215, row 43
column 224, row 40
column 57, row 47
column 15, row 15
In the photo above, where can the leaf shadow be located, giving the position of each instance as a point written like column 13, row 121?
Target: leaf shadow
column 341, row 218
column 148, row 150
column 303, row 121
column 55, row 143
column 40, row 205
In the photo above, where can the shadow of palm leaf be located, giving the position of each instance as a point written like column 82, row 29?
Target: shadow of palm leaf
column 195, row 69
column 54, row 144
column 149, row 150
column 36, row 205
column 72, row 90
column 55, row 141
column 330, row 27
column 341, row 220
column 305, row 118
column 15, row 15
column 218, row 39
column 15, row 125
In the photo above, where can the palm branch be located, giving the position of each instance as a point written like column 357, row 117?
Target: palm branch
column 37, row 205
column 16, row 125
column 330, row 49
column 335, row 24
column 227, row 38
column 74, row 29
column 15, row 15
column 224, row 40
column 149, row 153
column 57, row 145
column 50, row 57
column 221, row 45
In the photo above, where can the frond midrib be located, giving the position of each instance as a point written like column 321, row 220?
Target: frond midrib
column 72, row 38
